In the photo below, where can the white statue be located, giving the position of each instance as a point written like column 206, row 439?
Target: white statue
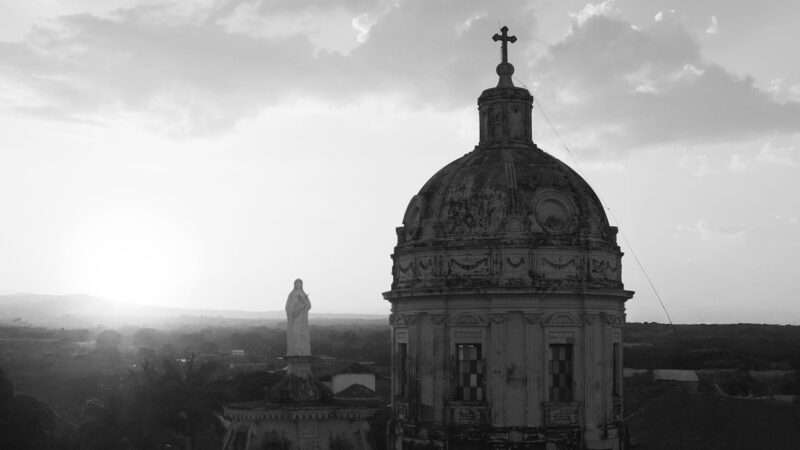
column 298, row 338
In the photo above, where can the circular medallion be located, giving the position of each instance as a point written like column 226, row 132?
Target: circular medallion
column 555, row 214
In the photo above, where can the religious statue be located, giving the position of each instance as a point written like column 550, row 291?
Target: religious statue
column 298, row 338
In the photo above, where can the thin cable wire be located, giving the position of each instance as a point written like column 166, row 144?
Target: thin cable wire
column 622, row 233
column 641, row 266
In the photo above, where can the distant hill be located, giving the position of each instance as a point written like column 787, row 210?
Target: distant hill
column 82, row 311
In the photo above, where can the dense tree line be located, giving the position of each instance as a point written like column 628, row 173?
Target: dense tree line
column 735, row 346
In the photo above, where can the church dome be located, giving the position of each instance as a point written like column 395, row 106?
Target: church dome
column 507, row 214
column 507, row 298
column 506, row 193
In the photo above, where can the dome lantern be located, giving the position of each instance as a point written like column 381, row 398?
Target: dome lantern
column 505, row 110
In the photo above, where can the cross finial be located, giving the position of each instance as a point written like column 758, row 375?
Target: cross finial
column 505, row 38
column 504, row 69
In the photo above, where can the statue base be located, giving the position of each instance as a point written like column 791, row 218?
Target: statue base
column 299, row 385
column 298, row 365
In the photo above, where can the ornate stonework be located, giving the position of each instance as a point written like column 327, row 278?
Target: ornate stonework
column 506, row 271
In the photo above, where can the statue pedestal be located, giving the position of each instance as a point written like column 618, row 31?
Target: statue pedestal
column 299, row 385
column 299, row 366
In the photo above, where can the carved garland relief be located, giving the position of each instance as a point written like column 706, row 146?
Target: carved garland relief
column 426, row 267
column 512, row 268
column 604, row 268
column 560, row 266
column 469, row 319
column 468, row 264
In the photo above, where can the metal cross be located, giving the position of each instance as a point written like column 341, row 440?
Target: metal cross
column 506, row 39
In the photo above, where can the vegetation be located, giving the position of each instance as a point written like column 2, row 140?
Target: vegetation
column 148, row 388
column 737, row 346
column 664, row 416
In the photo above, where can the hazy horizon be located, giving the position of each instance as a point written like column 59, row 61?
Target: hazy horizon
column 204, row 154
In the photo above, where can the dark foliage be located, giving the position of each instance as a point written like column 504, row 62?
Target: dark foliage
column 737, row 346
column 156, row 406
column 666, row 417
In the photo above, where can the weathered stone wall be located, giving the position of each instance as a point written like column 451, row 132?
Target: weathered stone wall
column 514, row 334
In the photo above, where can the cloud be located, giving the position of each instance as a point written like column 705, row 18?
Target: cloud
column 203, row 68
column 783, row 91
column 704, row 232
column 697, row 165
column 650, row 87
column 779, row 155
column 737, row 163
column 199, row 68
column 660, row 15
column 590, row 10
column 713, row 27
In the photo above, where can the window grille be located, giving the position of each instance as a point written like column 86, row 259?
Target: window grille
column 561, row 373
column 469, row 367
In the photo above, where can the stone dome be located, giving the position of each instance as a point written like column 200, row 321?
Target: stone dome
column 505, row 215
column 506, row 193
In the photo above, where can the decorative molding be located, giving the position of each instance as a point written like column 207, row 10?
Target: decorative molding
column 410, row 319
column 405, row 269
column 560, row 265
column 604, row 268
column 468, row 319
column 561, row 414
column 399, row 320
column 588, row 318
column 561, row 319
column 616, row 335
column 534, row 318
column 469, row 415
column 470, row 266
column 497, row 318
column 468, row 335
column 438, row 319
column 520, row 261
column 425, row 265
column 401, row 335
column 560, row 336
column 554, row 211
column 311, row 413
column 612, row 319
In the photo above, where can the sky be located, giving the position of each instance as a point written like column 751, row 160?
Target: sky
column 206, row 153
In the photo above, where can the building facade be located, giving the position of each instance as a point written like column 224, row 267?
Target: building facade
column 507, row 298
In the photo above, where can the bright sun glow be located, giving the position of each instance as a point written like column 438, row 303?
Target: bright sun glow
column 130, row 255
